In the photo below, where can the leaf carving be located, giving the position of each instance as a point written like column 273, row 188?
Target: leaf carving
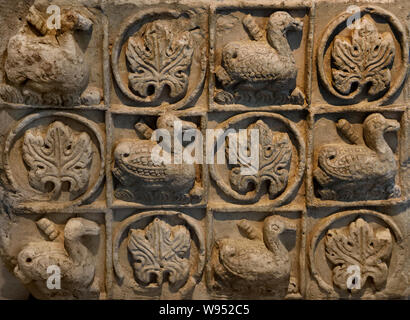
column 275, row 153
column 160, row 251
column 363, row 60
column 160, row 56
column 363, row 247
column 61, row 156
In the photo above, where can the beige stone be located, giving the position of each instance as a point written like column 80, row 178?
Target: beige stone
column 87, row 212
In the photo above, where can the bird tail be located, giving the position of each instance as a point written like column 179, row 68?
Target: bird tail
column 252, row 27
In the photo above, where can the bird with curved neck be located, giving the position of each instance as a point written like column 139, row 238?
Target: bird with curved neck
column 168, row 178
column 76, row 263
column 256, row 264
column 47, row 65
column 265, row 62
column 365, row 169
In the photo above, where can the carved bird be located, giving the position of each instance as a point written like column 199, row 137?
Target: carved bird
column 344, row 170
column 254, row 265
column 134, row 165
column 266, row 61
column 77, row 267
column 49, row 64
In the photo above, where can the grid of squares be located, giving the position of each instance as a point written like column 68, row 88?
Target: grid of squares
column 115, row 119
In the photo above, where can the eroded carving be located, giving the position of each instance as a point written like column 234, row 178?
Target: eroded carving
column 65, row 251
column 165, row 58
column 163, row 254
column 362, row 246
column 356, row 65
column 160, row 56
column 357, row 254
column 275, row 153
column 263, row 69
column 255, row 265
column 280, row 155
column 363, row 170
column 141, row 179
column 363, row 59
column 59, row 157
column 160, row 253
column 48, row 66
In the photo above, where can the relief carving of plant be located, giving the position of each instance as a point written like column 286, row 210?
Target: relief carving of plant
column 159, row 57
column 275, row 153
column 363, row 60
column 60, row 157
column 364, row 247
column 160, row 253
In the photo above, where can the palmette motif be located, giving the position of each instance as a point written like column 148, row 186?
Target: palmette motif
column 160, row 57
column 60, row 157
column 275, row 153
column 363, row 60
column 160, row 253
column 363, row 247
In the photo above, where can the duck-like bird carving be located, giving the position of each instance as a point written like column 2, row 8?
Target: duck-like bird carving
column 48, row 66
column 363, row 170
column 255, row 265
column 77, row 267
column 141, row 177
column 264, row 64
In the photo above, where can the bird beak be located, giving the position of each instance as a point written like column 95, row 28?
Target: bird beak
column 392, row 125
column 291, row 226
column 83, row 23
column 297, row 24
column 91, row 228
column 186, row 125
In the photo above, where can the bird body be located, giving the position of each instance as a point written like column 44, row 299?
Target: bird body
column 361, row 170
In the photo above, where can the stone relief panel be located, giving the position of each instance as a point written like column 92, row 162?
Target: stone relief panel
column 159, row 57
column 138, row 179
column 356, row 160
column 53, row 156
column 52, row 66
column 363, row 243
column 158, row 254
column 314, row 205
column 255, row 257
column 361, row 59
column 280, row 151
column 73, row 244
column 256, row 57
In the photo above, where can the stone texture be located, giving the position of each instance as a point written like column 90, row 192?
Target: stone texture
column 324, row 83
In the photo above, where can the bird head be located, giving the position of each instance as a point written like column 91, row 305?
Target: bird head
column 73, row 20
column 377, row 123
column 78, row 227
column 281, row 20
column 276, row 225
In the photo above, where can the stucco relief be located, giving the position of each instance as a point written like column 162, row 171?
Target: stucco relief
column 205, row 149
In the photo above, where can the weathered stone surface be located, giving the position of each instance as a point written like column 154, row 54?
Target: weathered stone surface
column 317, row 89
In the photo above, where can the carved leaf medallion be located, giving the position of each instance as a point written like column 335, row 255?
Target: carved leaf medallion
column 362, row 246
column 160, row 251
column 159, row 57
column 60, row 157
column 275, row 152
column 363, row 60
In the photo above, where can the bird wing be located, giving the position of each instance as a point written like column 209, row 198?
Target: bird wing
column 348, row 162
